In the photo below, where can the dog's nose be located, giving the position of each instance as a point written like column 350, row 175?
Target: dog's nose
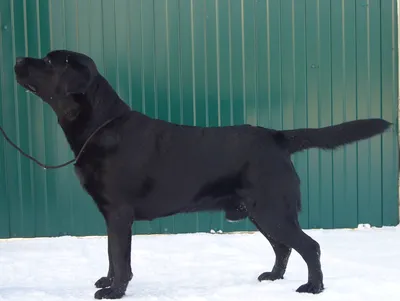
column 20, row 67
column 19, row 60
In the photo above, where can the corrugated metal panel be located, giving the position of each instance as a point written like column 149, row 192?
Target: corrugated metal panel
column 276, row 63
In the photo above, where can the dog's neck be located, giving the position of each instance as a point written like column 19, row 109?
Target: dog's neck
column 90, row 112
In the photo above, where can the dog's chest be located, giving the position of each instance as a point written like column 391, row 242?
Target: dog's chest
column 90, row 179
column 80, row 174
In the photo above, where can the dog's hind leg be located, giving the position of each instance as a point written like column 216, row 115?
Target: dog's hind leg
column 119, row 231
column 282, row 254
column 285, row 230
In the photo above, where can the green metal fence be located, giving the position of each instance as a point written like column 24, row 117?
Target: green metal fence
column 275, row 63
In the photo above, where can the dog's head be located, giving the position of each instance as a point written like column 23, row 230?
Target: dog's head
column 58, row 75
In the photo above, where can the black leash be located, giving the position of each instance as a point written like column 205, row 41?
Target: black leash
column 54, row 166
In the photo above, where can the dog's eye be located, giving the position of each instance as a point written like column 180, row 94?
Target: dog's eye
column 47, row 61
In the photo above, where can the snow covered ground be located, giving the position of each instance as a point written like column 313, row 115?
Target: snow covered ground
column 362, row 264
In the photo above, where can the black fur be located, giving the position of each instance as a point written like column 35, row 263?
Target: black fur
column 139, row 168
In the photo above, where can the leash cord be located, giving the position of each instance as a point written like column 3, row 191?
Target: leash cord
column 53, row 166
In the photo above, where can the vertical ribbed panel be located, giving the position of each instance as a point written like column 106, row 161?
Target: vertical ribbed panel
column 276, row 63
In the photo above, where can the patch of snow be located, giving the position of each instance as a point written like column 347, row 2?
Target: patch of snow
column 357, row 264
column 364, row 226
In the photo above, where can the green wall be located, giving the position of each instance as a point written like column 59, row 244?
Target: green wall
column 280, row 64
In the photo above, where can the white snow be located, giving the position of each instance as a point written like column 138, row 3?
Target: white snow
column 361, row 264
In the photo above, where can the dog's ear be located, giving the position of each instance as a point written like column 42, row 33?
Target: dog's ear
column 79, row 79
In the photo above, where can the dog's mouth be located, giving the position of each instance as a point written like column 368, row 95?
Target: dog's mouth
column 30, row 88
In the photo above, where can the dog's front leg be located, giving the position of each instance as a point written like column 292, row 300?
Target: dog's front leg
column 119, row 231
column 104, row 282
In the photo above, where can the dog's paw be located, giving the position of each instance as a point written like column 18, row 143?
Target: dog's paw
column 104, row 282
column 110, row 293
column 311, row 288
column 269, row 276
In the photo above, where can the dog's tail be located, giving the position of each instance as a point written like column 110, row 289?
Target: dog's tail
column 331, row 137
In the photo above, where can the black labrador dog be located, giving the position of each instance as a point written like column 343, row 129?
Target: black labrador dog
column 138, row 168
